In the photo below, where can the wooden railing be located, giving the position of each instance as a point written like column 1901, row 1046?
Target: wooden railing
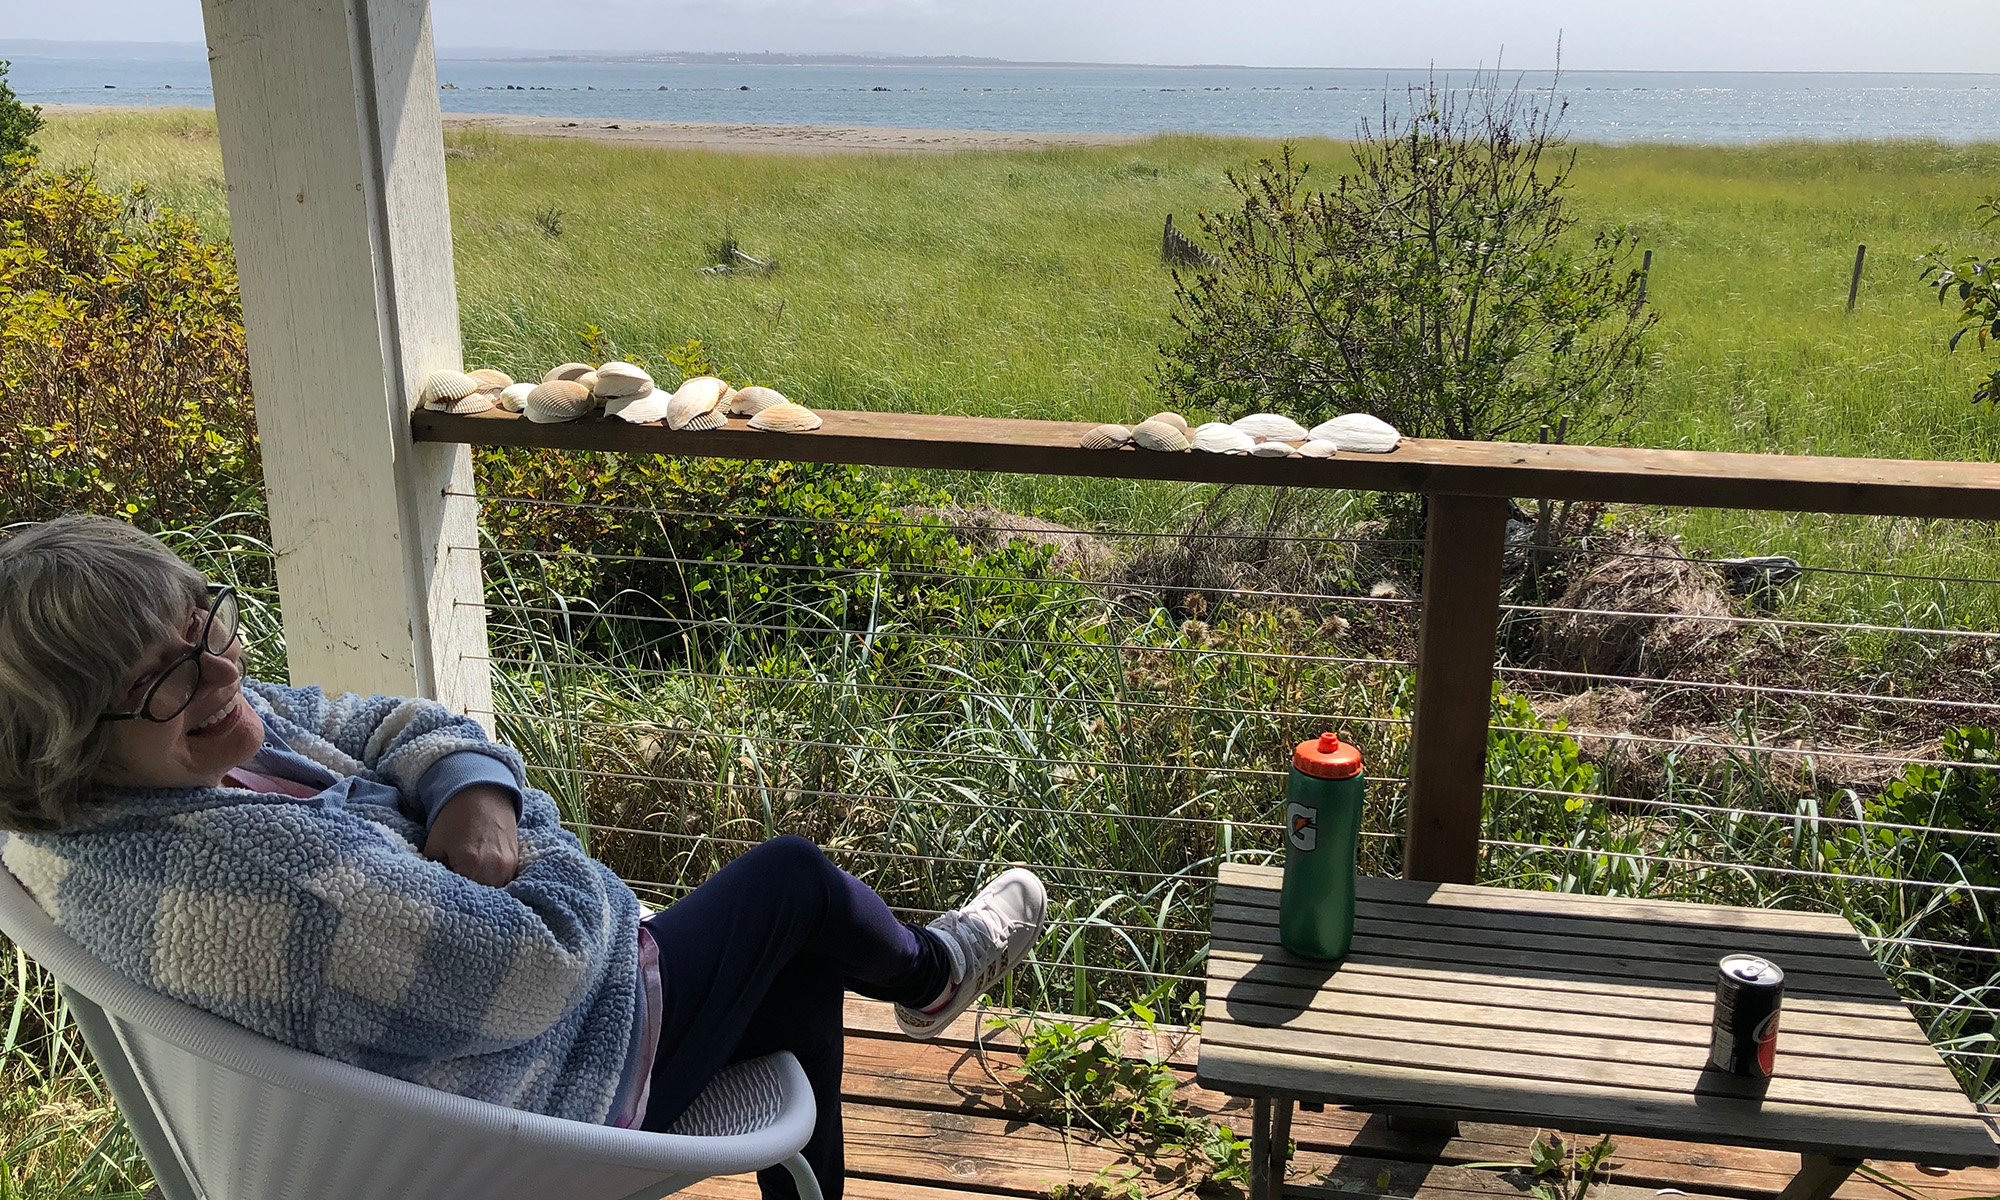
column 1468, row 485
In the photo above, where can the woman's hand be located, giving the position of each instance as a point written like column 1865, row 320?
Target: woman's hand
column 476, row 835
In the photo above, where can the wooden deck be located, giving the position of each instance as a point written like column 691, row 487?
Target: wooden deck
column 928, row 1121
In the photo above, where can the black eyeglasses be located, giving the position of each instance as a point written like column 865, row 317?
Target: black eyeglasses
column 174, row 686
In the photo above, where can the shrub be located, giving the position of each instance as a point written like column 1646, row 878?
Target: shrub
column 1440, row 286
column 123, row 371
column 19, row 123
column 1975, row 284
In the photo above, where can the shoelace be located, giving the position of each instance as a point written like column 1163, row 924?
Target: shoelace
column 992, row 930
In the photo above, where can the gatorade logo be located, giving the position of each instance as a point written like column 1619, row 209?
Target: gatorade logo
column 1302, row 826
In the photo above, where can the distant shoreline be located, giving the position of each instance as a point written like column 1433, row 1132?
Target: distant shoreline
column 725, row 138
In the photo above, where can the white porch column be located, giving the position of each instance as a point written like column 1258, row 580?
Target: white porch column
column 334, row 160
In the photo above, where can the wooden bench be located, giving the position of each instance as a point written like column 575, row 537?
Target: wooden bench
column 1575, row 1012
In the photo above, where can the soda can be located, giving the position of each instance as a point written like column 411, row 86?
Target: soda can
column 1748, row 993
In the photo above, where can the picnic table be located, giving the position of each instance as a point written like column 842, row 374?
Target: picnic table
column 1579, row 1013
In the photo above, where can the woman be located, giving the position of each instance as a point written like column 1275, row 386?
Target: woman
column 371, row 879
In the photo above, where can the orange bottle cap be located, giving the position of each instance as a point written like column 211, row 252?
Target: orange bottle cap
column 1327, row 757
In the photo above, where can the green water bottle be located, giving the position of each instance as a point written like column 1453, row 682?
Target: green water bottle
column 1322, row 827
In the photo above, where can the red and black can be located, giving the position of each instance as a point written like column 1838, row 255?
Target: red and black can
column 1748, row 993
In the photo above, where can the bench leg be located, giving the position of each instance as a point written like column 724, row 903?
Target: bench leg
column 1260, row 1148
column 1819, row 1177
column 1281, row 1148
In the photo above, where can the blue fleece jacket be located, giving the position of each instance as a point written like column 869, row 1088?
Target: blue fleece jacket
column 318, row 922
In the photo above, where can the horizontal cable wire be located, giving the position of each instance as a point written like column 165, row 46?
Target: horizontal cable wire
column 1753, row 748
column 975, row 805
column 891, row 631
column 853, row 523
column 966, row 693
column 1094, row 585
column 1733, row 619
column 1806, row 818
column 1757, row 688
column 1797, row 872
column 901, row 752
column 1581, row 551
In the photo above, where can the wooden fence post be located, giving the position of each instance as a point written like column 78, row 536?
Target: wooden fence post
column 333, row 154
column 1463, row 541
column 1854, row 284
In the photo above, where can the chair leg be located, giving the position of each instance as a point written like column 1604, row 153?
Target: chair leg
column 803, row 1177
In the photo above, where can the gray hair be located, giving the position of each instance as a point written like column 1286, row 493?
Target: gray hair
column 81, row 600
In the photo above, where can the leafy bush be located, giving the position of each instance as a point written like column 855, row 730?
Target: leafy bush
column 1439, row 286
column 19, row 123
column 123, row 371
column 1975, row 284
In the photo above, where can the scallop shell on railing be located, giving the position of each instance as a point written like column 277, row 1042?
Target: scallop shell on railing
column 749, row 401
column 1169, row 418
column 490, row 381
column 1217, row 438
column 1158, row 435
column 1316, row 449
column 786, row 418
column 1272, row 450
column 589, row 380
column 444, row 389
column 512, row 396
column 714, row 418
column 1106, row 437
column 557, row 400
column 566, row 371
column 702, row 394
column 1358, row 432
column 1272, row 427
column 616, row 379
column 641, row 407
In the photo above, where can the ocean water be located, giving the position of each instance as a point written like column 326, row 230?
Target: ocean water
column 1603, row 106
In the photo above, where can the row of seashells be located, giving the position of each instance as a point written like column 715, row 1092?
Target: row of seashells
column 1266, row 435
column 574, row 390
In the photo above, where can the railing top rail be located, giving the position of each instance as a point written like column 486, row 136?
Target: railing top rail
column 1706, row 479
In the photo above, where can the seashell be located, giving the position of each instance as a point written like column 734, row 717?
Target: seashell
column 641, row 407
column 1272, row 450
column 1359, row 432
column 1316, row 449
column 748, row 402
column 703, row 393
column 557, row 400
column 714, row 418
column 466, row 406
column 442, row 389
column 1169, row 418
column 589, row 380
column 1158, row 435
column 566, row 371
column 1217, row 438
column 1106, row 437
column 1272, row 427
column 786, row 418
column 491, row 381
column 512, row 396
column 616, row 379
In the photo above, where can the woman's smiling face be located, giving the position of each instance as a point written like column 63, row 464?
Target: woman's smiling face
column 215, row 732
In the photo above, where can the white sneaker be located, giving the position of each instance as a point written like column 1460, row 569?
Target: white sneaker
column 986, row 938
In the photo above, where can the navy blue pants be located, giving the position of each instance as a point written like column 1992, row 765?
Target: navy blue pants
column 755, row 961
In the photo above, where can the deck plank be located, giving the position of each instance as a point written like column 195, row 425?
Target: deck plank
column 954, row 1133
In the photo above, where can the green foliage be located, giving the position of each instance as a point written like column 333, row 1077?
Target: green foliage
column 1974, row 284
column 1077, row 1074
column 1438, row 286
column 1559, row 1171
column 19, row 123
column 123, row 371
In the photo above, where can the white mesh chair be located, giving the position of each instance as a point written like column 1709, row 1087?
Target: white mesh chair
column 225, row 1114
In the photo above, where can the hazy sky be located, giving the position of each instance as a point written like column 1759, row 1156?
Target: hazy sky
column 1786, row 35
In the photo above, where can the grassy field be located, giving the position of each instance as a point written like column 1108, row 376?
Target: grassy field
column 1029, row 284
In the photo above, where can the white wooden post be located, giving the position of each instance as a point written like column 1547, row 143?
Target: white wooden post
column 333, row 154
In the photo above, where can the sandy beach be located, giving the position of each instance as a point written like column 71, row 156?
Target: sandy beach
column 735, row 139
